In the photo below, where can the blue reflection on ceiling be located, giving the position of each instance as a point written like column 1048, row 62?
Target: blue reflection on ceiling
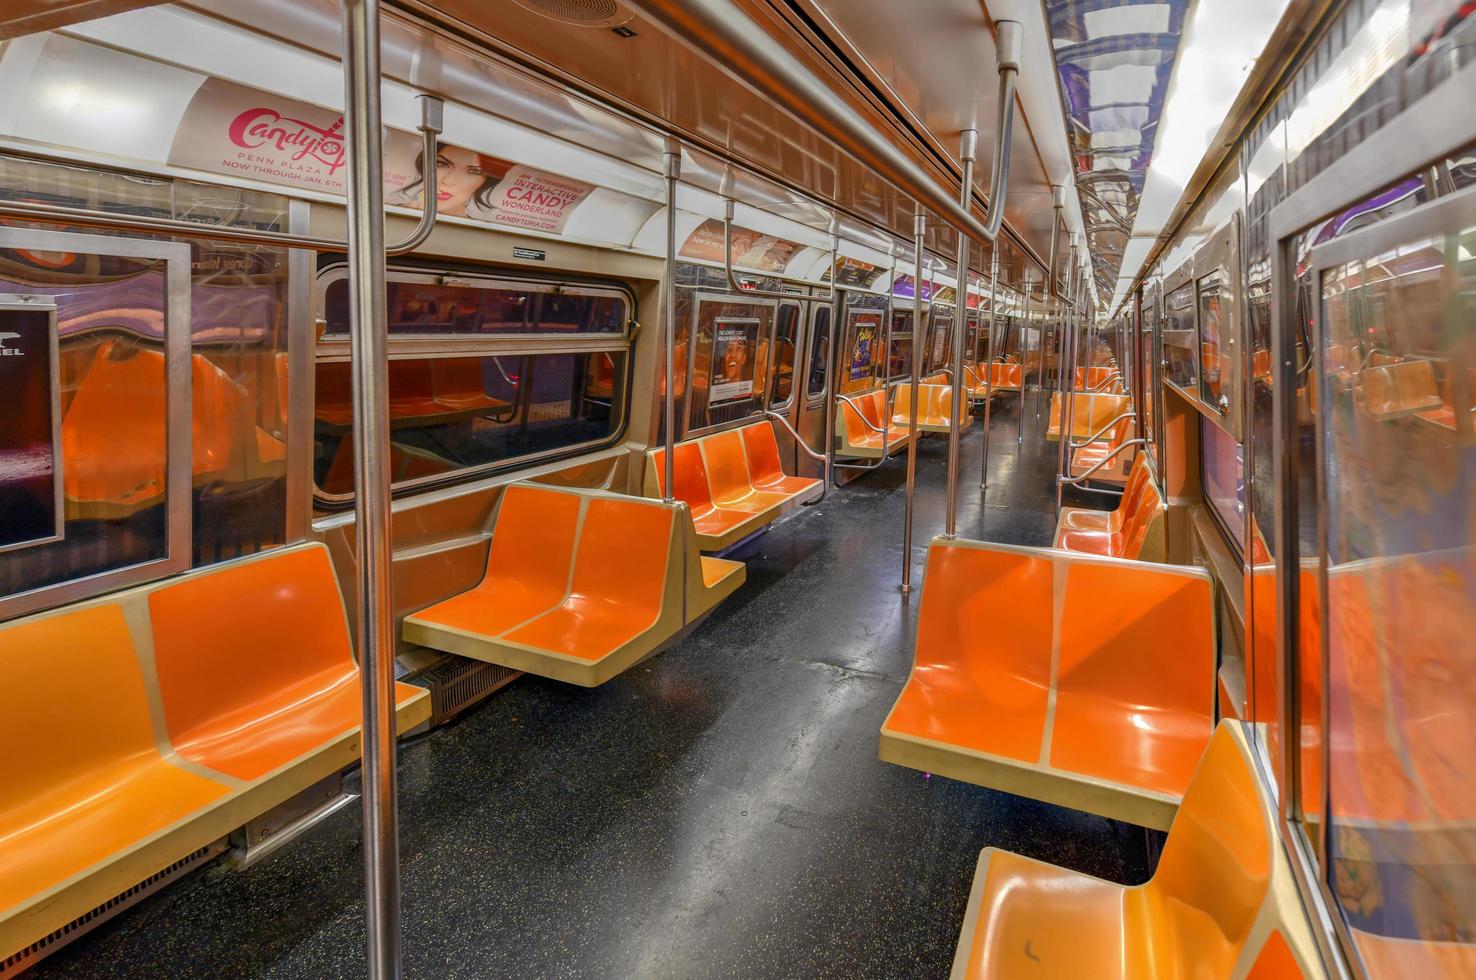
column 1115, row 59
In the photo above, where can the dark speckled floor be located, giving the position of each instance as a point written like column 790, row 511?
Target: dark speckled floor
column 716, row 812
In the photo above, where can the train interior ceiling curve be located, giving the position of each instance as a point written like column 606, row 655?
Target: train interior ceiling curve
column 696, row 488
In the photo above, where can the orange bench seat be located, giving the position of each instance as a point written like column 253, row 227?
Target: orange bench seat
column 1002, row 376
column 1092, row 686
column 1218, row 905
column 860, row 420
column 1089, row 413
column 580, row 585
column 1135, row 529
column 732, row 481
column 1108, row 455
column 934, row 408
column 1399, row 389
column 158, row 720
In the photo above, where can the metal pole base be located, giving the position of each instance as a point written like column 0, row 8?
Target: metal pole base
column 904, row 588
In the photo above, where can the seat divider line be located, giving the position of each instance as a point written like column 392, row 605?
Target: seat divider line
column 141, row 629
column 1058, row 608
column 568, row 581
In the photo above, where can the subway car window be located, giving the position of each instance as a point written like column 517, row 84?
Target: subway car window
column 786, row 336
column 1180, row 339
column 1396, row 461
column 468, row 410
column 819, row 353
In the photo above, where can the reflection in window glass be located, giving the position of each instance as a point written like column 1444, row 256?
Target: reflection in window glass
column 1179, row 338
column 782, row 380
column 430, row 306
column 819, row 353
column 1398, row 462
column 451, row 414
column 1150, row 376
column 1224, row 478
column 1214, row 349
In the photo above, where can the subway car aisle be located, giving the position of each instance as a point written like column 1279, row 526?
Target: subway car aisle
column 719, row 811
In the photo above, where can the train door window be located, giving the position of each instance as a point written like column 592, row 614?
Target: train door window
column 99, row 483
column 1149, row 326
column 1180, row 340
column 1397, row 558
column 819, row 355
column 1223, row 461
column 899, row 347
column 786, row 336
column 730, row 361
column 1215, row 350
column 485, row 373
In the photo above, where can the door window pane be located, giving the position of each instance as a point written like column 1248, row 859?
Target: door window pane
column 1180, row 340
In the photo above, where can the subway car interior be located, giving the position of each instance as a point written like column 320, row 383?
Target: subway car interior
column 738, row 488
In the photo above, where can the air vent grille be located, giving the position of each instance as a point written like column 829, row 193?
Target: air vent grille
column 582, row 13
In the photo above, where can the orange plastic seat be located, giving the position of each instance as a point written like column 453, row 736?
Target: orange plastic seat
column 276, row 680
column 1095, row 378
column 1139, row 531
column 732, row 481
column 859, row 427
column 580, row 585
column 1075, row 693
column 140, row 755
column 1107, row 521
column 764, row 469
column 1001, row 376
column 934, row 408
column 90, row 783
column 1089, row 413
column 716, row 527
column 1210, row 910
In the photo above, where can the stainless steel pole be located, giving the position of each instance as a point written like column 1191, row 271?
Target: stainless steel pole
column 369, row 343
column 830, row 388
column 919, row 231
column 1028, row 325
column 968, row 145
column 1070, row 344
column 671, row 168
column 988, row 368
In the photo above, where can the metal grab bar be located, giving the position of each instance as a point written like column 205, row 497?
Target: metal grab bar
column 862, row 415
column 431, row 110
column 735, row 287
column 799, row 439
column 724, row 33
column 1074, row 480
column 1102, row 431
column 1114, row 376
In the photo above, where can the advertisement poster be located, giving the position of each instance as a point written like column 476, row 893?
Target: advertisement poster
column 866, row 327
column 751, row 250
column 854, row 272
column 941, row 328
column 734, row 342
column 235, row 129
column 30, row 464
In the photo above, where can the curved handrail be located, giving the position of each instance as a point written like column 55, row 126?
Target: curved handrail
column 1101, row 432
column 799, row 439
column 1114, row 376
column 1073, row 480
column 860, row 414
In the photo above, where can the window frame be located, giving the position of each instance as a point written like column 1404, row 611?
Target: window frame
column 332, row 349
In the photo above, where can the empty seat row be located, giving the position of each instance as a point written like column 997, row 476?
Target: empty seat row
column 864, row 428
column 1089, row 413
column 579, row 585
column 934, row 408
column 1221, row 903
column 421, row 391
column 1082, row 681
column 1002, row 376
column 114, row 433
column 1099, row 378
column 1136, row 529
column 732, row 481
column 145, row 726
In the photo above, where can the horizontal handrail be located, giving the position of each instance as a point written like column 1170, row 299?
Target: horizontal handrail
column 1073, row 480
column 860, row 414
column 1114, row 376
column 736, row 287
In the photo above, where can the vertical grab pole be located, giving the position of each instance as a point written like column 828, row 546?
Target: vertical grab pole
column 1025, row 366
column 968, row 144
column 829, row 400
column 369, row 342
column 1070, row 342
column 919, row 230
column 989, row 372
column 671, row 160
